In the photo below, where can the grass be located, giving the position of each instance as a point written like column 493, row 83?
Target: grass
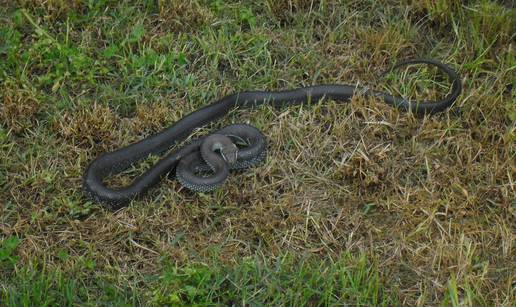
column 356, row 204
column 282, row 281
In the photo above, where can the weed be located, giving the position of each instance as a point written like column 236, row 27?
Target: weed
column 7, row 256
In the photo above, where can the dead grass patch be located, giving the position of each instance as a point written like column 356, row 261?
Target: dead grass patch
column 88, row 126
column 181, row 16
column 19, row 108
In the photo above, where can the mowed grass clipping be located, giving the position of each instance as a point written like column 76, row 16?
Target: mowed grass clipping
column 357, row 203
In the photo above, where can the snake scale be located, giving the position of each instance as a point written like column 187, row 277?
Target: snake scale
column 233, row 147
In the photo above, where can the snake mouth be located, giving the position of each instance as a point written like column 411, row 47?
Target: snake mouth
column 239, row 141
column 229, row 153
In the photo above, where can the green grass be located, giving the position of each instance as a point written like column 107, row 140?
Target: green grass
column 356, row 204
column 282, row 281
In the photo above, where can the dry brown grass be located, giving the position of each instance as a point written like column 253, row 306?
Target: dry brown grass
column 182, row 16
column 19, row 108
column 88, row 126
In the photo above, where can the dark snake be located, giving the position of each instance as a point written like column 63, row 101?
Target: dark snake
column 233, row 147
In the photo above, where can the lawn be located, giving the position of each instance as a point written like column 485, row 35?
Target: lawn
column 357, row 204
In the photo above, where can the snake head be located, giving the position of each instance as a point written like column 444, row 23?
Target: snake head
column 229, row 153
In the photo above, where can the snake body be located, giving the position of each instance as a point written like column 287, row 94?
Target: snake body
column 119, row 160
column 231, row 157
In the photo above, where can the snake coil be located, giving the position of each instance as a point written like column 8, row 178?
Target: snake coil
column 114, row 162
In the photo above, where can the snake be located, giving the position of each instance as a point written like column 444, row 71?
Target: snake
column 203, row 164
